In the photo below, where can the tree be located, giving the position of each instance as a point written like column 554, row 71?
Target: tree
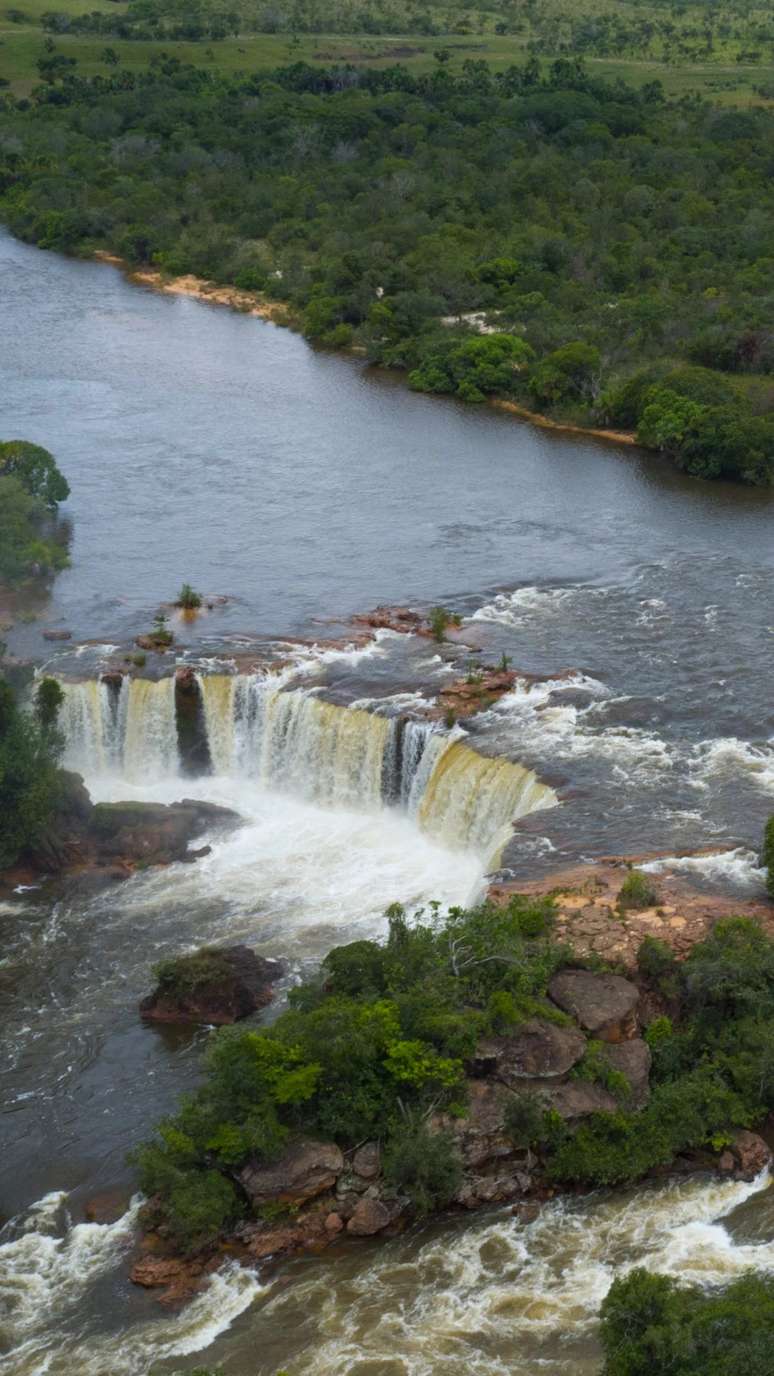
column 35, row 468
column 29, row 778
column 23, row 551
column 650, row 1323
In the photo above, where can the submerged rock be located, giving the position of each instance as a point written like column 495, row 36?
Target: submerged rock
column 215, row 985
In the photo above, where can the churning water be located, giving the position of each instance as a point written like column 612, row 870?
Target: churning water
column 206, row 446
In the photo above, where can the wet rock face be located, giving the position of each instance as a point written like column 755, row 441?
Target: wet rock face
column 220, row 985
column 111, row 838
column 306, row 1169
column 604, row 1005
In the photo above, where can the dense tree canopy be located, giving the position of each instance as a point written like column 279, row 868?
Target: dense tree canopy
column 548, row 237
column 29, row 777
column 651, row 1324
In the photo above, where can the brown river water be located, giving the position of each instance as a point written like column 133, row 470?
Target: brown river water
column 211, row 447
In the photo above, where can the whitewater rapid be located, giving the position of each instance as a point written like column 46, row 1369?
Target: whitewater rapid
column 489, row 1296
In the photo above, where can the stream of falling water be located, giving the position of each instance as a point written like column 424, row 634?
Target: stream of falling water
column 292, row 741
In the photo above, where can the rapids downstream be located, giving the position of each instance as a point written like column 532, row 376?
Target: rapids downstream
column 206, row 446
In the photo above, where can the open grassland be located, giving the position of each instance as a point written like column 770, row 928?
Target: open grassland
column 731, row 61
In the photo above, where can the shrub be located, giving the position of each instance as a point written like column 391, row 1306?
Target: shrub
column 440, row 620
column 650, row 1323
column 524, row 1120
column 181, row 976
column 49, row 697
column 188, row 599
column 424, row 1165
column 636, row 892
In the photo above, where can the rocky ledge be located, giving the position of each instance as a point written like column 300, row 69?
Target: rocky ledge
column 97, row 843
column 590, row 918
column 216, row 985
column 315, row 1193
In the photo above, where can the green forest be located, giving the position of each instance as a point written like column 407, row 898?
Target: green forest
column 596, row 252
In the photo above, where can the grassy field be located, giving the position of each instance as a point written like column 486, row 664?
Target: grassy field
column 718, row 75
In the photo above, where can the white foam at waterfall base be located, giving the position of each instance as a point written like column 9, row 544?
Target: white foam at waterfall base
column 295, row 877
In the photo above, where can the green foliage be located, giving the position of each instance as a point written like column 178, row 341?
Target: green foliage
column 35, row 469
column 181, row 976
column 380, row 1034
column 188, row 599
column 524, row 1120
column 767, row 855
column 650, row 1323
column 657, row 964
column 25, row 548
column 440, row 620
column 408, row 212
column 49, row 697
column 30, row 782
column 424, row 1165
column 595, row 1067
column 636, row 892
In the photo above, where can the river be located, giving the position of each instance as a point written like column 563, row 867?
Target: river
column 207, row 446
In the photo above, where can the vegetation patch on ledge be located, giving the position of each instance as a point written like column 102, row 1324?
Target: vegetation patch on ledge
column 470, row 1058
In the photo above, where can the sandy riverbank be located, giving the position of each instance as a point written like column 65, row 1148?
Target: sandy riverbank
column 280, row 313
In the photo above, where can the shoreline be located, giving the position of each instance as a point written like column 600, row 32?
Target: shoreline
column 278, row 313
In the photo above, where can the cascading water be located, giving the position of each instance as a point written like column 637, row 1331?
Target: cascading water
column 290, row 740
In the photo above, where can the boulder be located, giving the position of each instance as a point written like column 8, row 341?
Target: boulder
column 306, row 1169
column 538, row 1048
column 57, row 635
column 370, row 1216
column 578, row 1098
column 367, row 1161
column 480, row 1135
column 153, row 833
column 632, row 1059
column 747, row 1156
column 604, row 1005
column 180, row 1278
column 220, row 984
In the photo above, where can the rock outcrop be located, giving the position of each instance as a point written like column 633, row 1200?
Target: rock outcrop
column 589, row 919
column 747, row 1156
column 109, row 840
column 604, row 1005
column 305, row 1170
column 220, row 984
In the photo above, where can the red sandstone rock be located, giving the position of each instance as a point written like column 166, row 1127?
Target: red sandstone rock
column 306, row 1169
column 367, row 1161
column 370, row 1216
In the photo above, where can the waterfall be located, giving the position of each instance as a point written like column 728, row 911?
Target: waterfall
column 130, row 729
column 150, row 740
column 472, row 800
column 290, row 740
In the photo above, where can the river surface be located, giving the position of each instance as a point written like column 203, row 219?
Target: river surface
column 206, row 446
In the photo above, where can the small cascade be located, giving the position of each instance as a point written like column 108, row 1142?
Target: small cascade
column 472, row 800
column 290, row 740
column 325, row 753
column 217, row 694
column 93, row 719
column 150, row 738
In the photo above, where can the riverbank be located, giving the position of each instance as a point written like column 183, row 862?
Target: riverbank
column 279, row 313
column 528, row 1118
